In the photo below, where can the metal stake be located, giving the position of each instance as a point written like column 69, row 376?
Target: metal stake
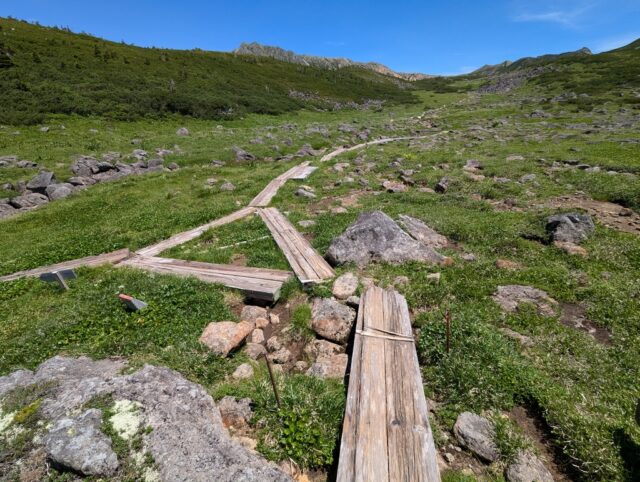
column 273, row 381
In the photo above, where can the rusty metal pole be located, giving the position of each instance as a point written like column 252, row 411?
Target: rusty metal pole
column 273, row 381
column 447, row 319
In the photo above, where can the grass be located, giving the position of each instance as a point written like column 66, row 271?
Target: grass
column 585, row 391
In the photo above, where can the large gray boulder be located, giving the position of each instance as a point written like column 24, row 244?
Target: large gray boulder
column 186, row 436
column 85, row 166
column 332, row 320
column 423, row 233
column 572, row 228
column 476, row 433
column 6, row 210
column 41, row 181
column 242, row 155
column 375, row 237
column 527, row 468
column 79, row 445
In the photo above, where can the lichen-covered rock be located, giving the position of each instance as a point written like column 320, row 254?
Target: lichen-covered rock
column 332, row 320
column 423, row 233
column 511, row 297
column 477, row 434
column 235, row 412
column 79, row 445
column 345, row 286
column 223, row 336
column 334, row 366
column 527, row 468
column 59, row 191
column 572, row 228
column 375, row 237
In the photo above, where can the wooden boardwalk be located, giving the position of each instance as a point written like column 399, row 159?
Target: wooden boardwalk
column 386, row 435
column 268, row 193
column 108, row 258
column 257, row 283
column 186, row 236
column 305, row 261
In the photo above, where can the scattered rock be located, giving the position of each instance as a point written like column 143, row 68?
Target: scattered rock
column 251, row 313
column 435, row 277
column 30, row 200
column 273, row 344
column 375, row 237
column 515, row 157
column 332, row 320
column 227, row 186
column 423, row 233
column 400, row 281
column 345, row 286
column 235, row 412
column 510, row 297
column 527, row 468
column 59, row 191
column 223, row 336
column 78, row 444
column 507, row 264
column 243, row 371
column 571, row 248
column 307, row 223
column 242, row 155
column 476, row 433
column 472, row 165
column 41, row 181
column 257, row 336
column 6, row 210
column 442, row 185
column 394, row 186
column 519, row 337
column 573, row 228
column 353, row 301
column 334, row 366
column 304, row 193
column 281, row 356
column 182, row 132
column 255, row 350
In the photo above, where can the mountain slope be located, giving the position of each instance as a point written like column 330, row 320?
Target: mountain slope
column 53, row 71
column 278, row 53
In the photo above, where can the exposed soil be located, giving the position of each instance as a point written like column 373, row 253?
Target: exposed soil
column 537, row 430
column 609, row 214
column 239, row 260
column 574, row 316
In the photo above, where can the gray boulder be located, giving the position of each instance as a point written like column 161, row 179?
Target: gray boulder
column 6, row 210
column 77, row 444
column 528, row 468
column 571, row 227
column 227, row 186
column 511, row 297
column 59, row 191
column 476, row 433
column 375, row 237
column 30, row 200
column 85, row 166
column 442, row 185
column 423, row 233
column 332, row 320
column 304, row 193
column 242, row 155
column 41, row 181
column 182, row 132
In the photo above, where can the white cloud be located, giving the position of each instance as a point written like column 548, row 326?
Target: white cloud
column 568, row 17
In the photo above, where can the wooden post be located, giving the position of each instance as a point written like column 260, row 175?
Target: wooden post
column 273, row 381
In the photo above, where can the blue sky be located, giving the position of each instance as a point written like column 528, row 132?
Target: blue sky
column 439, row 37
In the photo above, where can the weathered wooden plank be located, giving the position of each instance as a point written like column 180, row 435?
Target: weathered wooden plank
column 371, row 440
column 268, row 193
column 107, row 258
column 306, row 263
column 257, row 283
column 304, row 173
column 186, row 236
column 347, row 460
column 386, row 433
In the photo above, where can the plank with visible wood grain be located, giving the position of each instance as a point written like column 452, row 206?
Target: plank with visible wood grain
column 386, row 434
column 187, row 236
column 258, row 283
column 305, row 261
column 113, row 257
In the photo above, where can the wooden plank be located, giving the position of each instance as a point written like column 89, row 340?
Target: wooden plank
column 371, row 440
column 320, row 268
column 186, row 236
column 304, row 173
column 255, row 282
column 386, row 434
column 347, row 460
column 268, row 193
column 308, row 265
column 107, row 258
